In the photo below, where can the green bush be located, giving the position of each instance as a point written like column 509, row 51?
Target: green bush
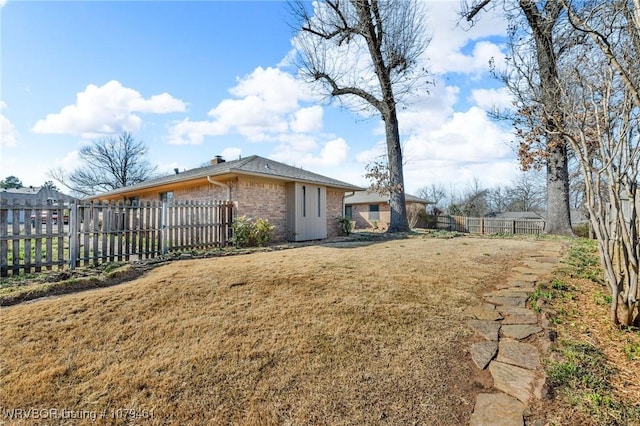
column 262, row 231
column 346, row 225
column 582, row 229
column 249, row 233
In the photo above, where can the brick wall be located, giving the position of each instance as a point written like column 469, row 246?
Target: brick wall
column 360, row 214
column 334, row 212
column 265, row 200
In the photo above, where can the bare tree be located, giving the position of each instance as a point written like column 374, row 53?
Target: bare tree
column 498, row 199
column 604, row 133
column 107, row 164
column 474, row 201
column 526, row 193
column 434, row 193
column 533, row 80
column 366, row 52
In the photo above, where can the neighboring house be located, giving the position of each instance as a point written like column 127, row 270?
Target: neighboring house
column 32, row 195
column 371, row 210
column 302, row 205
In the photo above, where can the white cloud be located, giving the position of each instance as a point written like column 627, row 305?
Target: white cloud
column 489, row 99
column 307, row 120
column 193, row 132
column 467, row 146
column 107, row 109
column 8, row 132
column 267, row 106
column 450, row 42
column 231, row 153
column 300, row 152
column 2, row 3
column 69, row 161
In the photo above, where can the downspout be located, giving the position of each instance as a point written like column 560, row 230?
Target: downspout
column 210, row 179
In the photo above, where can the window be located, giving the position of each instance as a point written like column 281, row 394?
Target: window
column 166, row 196
column 374, row 212
column 348, row 212
column 304, row 201
column 319, row 204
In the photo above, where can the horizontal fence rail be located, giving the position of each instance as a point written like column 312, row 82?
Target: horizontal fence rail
column 37, row 236
column 490, row 225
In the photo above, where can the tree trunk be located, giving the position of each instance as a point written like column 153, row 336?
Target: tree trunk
column 399, row 221
column 558, row 204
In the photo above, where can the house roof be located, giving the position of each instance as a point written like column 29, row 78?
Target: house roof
column 252, row 166
column 33, row 193
column 372, row 197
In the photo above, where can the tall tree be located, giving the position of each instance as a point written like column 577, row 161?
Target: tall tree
column 366, row 52
column 107, row 164
column 11, row 182
column 538, row 95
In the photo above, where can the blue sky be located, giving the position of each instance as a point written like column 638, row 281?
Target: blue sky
column 199, row 79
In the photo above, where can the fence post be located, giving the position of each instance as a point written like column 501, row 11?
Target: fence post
column 73, row 235
column 163, row 228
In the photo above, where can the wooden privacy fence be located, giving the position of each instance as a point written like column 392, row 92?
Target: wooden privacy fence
column 33, row 237
column 490, row 225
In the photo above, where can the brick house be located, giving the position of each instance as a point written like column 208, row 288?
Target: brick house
column 372, row 210
column 302, row 205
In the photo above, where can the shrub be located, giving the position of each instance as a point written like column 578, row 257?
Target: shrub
column 262, row 231
column 582, row 229
column 248, row 233
column 241, row 228
column 346, row 225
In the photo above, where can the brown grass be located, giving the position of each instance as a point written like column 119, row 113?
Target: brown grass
column 350, row 333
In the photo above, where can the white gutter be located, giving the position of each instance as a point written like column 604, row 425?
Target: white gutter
column 210, row 179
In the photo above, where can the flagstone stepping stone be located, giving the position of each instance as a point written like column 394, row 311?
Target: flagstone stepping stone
column 487, row 329
column 526, row 270
column 482, row 353
column 508, row 292
column 512, row 380
column 497, row 409
column 524, row 277
column 517, row 315
column 519, row 331
column 523, row 355
column 540, row 265
column 485, row 311
column 508, row 301
column 520, row 285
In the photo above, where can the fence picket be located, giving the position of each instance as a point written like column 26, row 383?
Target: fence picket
column 96, row 233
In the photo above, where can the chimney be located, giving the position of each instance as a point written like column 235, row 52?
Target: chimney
column 217, row 160
column 176, row 170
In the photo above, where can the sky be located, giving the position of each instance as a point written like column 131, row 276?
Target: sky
column 193, row 80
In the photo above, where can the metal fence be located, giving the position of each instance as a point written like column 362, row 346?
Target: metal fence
column 37, row 236
column 490, row 225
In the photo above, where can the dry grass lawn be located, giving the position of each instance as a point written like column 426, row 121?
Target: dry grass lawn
column 349, row 333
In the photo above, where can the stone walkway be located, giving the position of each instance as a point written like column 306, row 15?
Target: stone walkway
column 513, row 340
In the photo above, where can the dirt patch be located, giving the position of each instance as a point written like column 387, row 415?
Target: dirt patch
column 334, row 334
